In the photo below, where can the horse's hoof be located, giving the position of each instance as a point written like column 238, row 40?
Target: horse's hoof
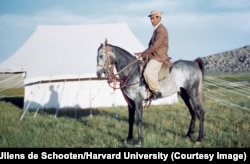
column 189, row 134
column 197, row 144
column 138, row 144
column 126, row 141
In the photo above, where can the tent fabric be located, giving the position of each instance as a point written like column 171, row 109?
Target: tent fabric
column 66, row 52
column 78, row 94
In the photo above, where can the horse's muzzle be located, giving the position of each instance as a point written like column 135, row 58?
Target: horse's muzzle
column 99, row 73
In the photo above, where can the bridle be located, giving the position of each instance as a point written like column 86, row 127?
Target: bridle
column 107, row 66
column 113, row 78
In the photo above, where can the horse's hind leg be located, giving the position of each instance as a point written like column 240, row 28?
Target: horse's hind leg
column 197, row 110
column 189, row 105
column 200, row 112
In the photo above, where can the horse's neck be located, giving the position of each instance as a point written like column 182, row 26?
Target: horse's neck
column 126, row 67
column 125, row 63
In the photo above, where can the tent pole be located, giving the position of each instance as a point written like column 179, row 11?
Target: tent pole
column 90, row 98
column 114, row 104
column 37, row 109
column 77, row 96
column 27, row 107
column 57, row 109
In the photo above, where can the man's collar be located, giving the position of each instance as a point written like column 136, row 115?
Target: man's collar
column 155, row 27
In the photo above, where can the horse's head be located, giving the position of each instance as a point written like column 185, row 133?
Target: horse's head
column 105, row 60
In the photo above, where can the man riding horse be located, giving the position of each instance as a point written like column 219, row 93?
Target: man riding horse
column 156, row 54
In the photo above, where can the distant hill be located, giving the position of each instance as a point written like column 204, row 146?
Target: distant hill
column 228, row 62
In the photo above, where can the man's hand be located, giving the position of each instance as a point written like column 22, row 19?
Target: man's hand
column 139, row 54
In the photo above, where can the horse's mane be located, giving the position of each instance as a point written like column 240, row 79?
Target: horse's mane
column 122, row 50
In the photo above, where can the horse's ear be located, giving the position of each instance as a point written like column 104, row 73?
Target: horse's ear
column 106, row 42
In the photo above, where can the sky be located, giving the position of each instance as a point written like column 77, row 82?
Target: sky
column 196, row 28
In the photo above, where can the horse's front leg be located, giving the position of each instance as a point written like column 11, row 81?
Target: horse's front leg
column 139, row 123
column 131, row 119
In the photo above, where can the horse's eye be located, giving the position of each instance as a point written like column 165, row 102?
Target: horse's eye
column 100, row 56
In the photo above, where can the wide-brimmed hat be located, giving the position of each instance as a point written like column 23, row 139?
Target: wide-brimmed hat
column 155, row 12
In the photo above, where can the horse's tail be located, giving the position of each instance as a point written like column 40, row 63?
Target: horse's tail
column 201, row 65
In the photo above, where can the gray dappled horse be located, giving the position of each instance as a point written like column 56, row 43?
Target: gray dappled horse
column 185, row 77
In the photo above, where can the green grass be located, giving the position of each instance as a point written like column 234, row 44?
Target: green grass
column 236, row 78
column 163, row 126
column 226, row 126
column 12, row 92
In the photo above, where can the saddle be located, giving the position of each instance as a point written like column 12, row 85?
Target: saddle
column 164, row 71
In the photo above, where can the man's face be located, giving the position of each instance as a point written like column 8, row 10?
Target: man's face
column 155, row 20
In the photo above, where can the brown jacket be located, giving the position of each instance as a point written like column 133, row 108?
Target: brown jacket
column 158, row 45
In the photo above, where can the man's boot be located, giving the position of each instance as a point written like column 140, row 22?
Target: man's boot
column 155, row 96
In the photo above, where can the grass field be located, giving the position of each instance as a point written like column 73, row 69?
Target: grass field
column 226, row 126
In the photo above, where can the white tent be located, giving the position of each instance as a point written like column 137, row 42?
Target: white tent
column 60, row 65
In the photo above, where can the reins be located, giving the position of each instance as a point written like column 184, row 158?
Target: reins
column 111, row 77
